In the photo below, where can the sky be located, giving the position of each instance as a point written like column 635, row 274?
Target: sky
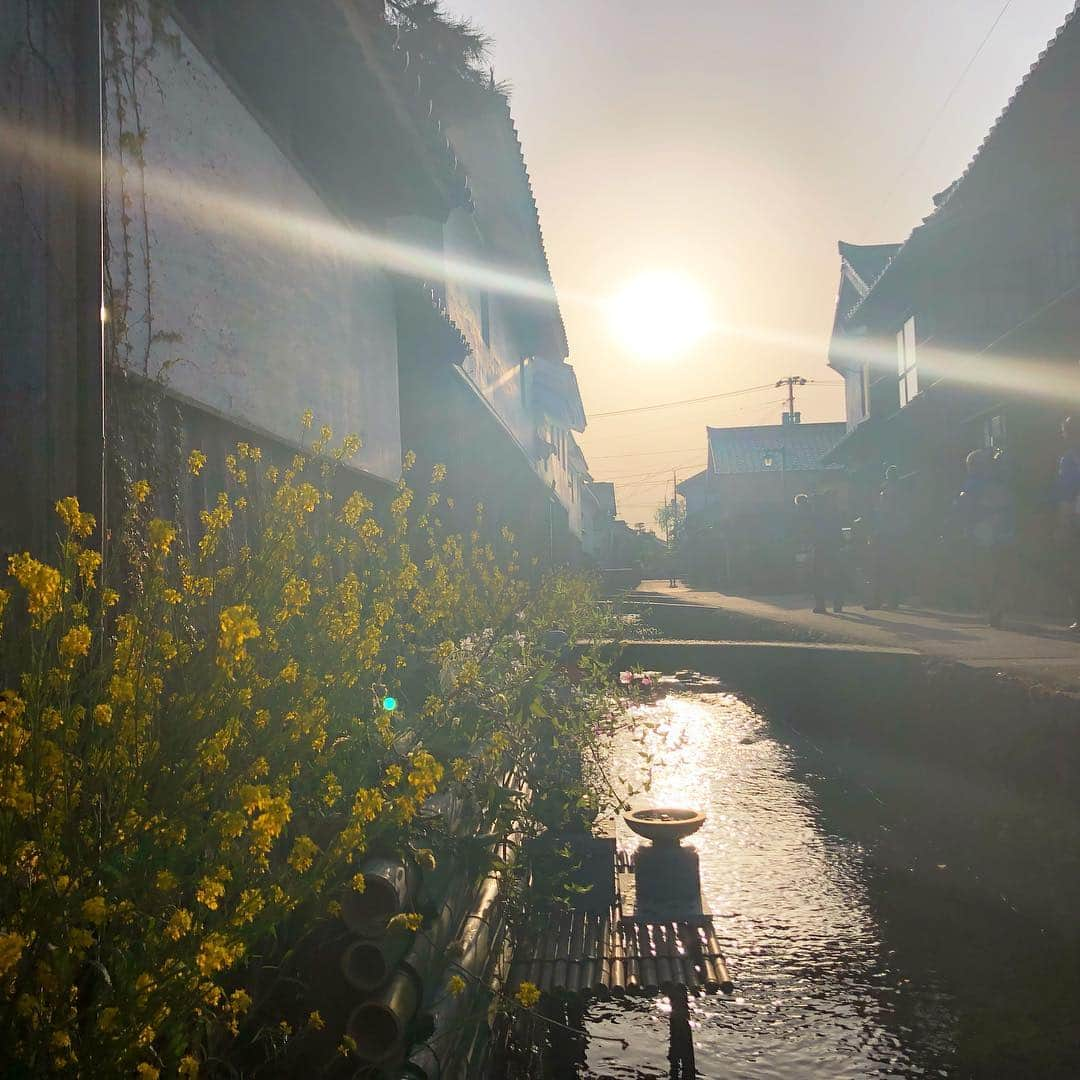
column 733, row 143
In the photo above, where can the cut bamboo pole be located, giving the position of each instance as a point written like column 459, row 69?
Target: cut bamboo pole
column 573, row 973
column 562, row 950
column 649, row 981
column 602, row 976
column 665, row 968
column 589, row 952
column 723, row 976
column 618, row 962
column 690, row 956
column 632, row 958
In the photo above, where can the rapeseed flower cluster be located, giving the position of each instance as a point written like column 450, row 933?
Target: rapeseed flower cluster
column 194, row 757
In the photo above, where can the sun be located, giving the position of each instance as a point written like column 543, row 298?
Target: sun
column 659, row 314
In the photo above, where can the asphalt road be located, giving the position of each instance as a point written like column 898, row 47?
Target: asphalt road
column 1038, row 651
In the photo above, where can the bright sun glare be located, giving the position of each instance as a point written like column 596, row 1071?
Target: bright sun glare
column 659, row 314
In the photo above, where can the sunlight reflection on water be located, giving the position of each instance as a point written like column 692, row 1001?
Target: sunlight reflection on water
column 815, row 994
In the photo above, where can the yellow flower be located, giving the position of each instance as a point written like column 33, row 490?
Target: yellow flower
column 290, row 672
column 315, row 1021
column 358, row 883
column 88, row 562
column 455, row 984
column 95, row 909
column 171, row 596
column 331, row 789
column 240, row 1002
column 165, row 881
column 294, row 598
column 161, row 534
column 438, row 474
column 146, row 1071
column 251, row 903
column 237, row 625
column 11, row 948
column 425, row 857
column 218, row 953
column 107, row 1019
column 178, row 925
column 307, row 419
column 528, row 994
column 303, row 854
column 75, row 643
column 212, row 888
column 109, row 598
column 368, row 804
column 102, row 715
column 425, row 774
column 188, row 1068
column 42, row 584
column 405, row 920
column 69, row 513
column 140, row 491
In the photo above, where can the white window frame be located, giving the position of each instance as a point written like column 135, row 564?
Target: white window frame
column 907, row 374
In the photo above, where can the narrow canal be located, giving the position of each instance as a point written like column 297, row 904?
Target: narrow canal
column 860, row 944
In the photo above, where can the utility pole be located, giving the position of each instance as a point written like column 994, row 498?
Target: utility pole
column 671, row 527
column 791, row 382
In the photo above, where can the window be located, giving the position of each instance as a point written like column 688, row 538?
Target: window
column 485, row 318
column 906, row 372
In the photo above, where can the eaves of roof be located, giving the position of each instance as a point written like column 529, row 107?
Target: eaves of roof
column 943, row 198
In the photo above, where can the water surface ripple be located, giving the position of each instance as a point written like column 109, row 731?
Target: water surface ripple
column 818, row 993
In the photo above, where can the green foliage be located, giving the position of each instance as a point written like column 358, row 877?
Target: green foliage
column 196, row 753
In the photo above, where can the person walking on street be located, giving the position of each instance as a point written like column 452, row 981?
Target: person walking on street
column 823, row 528
column 1067, row 497
column 985, row 506
column 888, row 542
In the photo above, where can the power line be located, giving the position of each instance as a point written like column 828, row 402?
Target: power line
column 685, row 401
column 937, row 116
column 643, row 453
column 652, row 472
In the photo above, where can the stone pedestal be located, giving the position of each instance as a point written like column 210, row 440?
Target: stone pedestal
column 667, row 881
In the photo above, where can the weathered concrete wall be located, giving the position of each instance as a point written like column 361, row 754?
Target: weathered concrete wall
column 37, row 269
column 254, row 306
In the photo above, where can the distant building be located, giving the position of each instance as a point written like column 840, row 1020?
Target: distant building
column 739, row 527
column 967, row 335
column 598, row 537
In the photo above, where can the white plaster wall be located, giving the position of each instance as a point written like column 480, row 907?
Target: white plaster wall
column 272, row 318
column 495, row 367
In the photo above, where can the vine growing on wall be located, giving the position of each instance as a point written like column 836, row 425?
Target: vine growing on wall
column 144, row 427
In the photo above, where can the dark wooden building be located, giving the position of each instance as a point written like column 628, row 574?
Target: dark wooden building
column 967, row 334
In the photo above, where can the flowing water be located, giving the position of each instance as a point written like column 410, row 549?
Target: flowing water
column 838, row 971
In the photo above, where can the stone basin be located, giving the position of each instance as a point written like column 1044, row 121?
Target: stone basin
column 664, row 824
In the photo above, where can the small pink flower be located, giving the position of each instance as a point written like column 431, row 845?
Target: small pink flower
column 646, row 681
column 626, row 678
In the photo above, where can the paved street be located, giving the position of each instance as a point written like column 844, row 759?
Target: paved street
column 1041, row 651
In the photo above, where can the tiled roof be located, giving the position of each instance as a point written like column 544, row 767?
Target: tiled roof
column 744, row 449
column 1071, row 24
column 691, row 483
column 860, row 266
